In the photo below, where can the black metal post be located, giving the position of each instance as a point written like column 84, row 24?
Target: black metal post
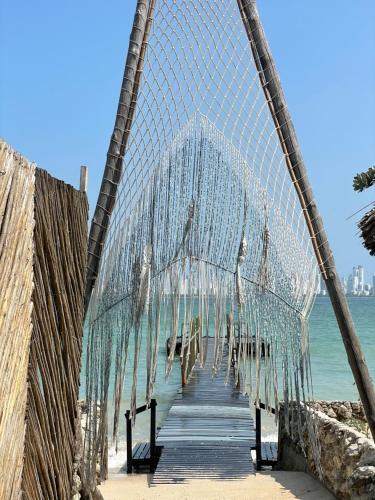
column 258, row 438
column 129, row 447
column 153, row 436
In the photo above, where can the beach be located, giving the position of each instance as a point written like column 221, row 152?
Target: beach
column 270, row 485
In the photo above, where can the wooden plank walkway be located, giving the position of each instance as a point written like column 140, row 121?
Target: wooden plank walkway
column 209, row 430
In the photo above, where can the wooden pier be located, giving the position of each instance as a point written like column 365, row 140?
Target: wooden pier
column 209, row 431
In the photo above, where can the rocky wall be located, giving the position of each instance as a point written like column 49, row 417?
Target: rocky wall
column 341, row 410
column 347, row 457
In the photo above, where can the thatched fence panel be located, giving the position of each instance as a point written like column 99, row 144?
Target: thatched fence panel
column 17, row 178
column 60, row 241
column 43, row 252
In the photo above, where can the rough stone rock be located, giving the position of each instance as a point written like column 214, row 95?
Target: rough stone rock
column 362, row 483
column 343, row 412
column 331, row 413
column 368, row 456
column 356, row 407
column 347, row 460
column 353, row 450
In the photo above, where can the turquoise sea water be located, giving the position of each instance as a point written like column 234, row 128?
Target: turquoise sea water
column 332, row 378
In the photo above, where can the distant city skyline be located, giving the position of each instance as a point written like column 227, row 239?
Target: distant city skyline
column 356, row 284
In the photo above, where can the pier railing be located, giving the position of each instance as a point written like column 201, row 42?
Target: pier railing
column 146, row 456
column 265, row 455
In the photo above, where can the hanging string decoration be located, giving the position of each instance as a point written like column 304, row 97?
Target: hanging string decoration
column 206, row 224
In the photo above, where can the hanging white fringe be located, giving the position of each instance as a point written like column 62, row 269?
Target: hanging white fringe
column 201, row 242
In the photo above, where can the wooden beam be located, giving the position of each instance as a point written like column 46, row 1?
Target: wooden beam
column 83, row 181
column 277, row 104
column 117, row 147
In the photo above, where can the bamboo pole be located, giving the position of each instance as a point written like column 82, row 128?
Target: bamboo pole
column 277, row 104
column 117, row 147
column 83, row 180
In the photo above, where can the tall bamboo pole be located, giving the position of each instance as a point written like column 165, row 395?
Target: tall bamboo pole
column 277, row 104
column 117, row 146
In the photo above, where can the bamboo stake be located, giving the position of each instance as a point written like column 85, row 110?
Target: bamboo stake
column 83, row 180
column 117, row 147
column 277, row 104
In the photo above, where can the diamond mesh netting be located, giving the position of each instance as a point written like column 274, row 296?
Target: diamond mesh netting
column 206, row 224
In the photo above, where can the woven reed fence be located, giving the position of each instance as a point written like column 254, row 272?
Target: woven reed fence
column 50, row 254
column 17, row 177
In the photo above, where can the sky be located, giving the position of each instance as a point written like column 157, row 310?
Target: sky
column 61, row 69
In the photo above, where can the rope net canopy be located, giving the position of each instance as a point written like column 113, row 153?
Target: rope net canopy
column 207, row 222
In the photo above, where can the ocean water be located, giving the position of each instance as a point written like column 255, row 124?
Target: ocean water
column 332, row 377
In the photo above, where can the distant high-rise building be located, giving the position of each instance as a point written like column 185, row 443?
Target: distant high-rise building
column 355, row 285
column 354, row 281
column 349, row 287
column 361, row 279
